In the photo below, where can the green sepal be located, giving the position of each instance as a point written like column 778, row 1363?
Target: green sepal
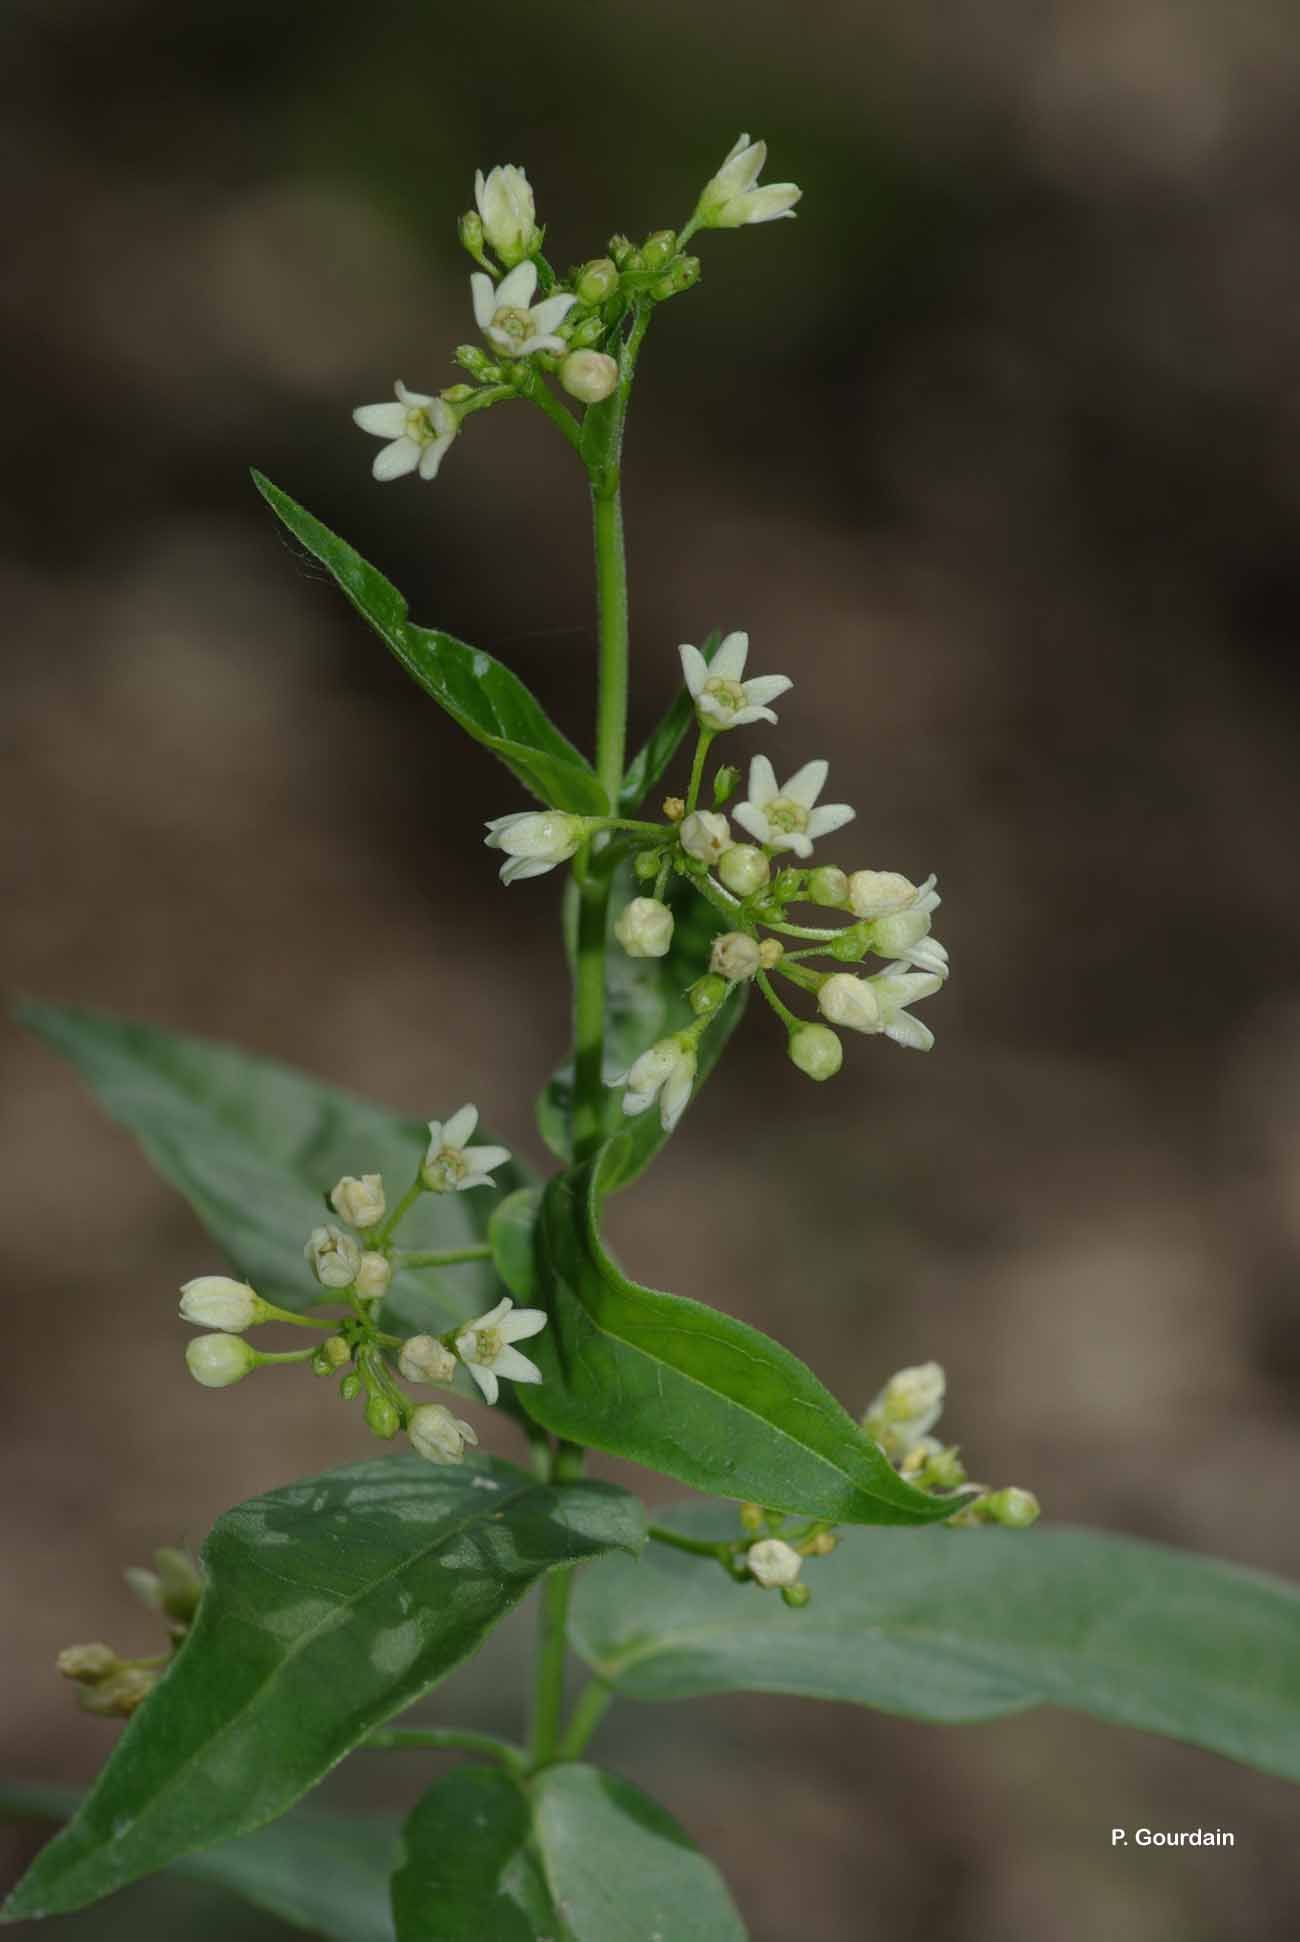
column 489, row 702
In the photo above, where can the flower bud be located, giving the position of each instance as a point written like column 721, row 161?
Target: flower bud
column 879, row 893
column 788, row 887
column 584, row 335
column 684, row 275
column 118, row 1696
column 620, row 248
column 795, row 1595
column 457, row 394
column 725, row 784
column 816, row 1051
column 849, row 1002
column 438, row 1435
column 1017, row 1509
column 706, row 994
column 424, row 1359
column 509, row 216
column 218, row 1360
column 659, row 249
column 373, row 1275
column 382, row 1415
column 770, row 953
column 907, row 1408
column 596, row 281
column 852, row 944
column 645, row 928
column 674, row 808
column 822, row 1545
column 734, row 956
column 350, row 1387
column 744, row 869
column 87, row 1664
column 646, row 865
column 773, row 1562
column 535, row 840
column 829, row 887
column 753, row 1518
column 177, row 1583
column 360, row 1203
column 332, row 1354
column 470, row 231
column 590, row 376
column 334, row 1256
column 215, row 1301
column 705, row 835
column 474, row 359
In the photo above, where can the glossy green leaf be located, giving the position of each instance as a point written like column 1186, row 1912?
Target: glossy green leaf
column 331, row 1605
column 574, row 1855
column 489, row 702
column 318, row 1872
column 685, row 1389
column 645, row 1000
column 255, row 1147
column 650, row 764
column 968, row 1625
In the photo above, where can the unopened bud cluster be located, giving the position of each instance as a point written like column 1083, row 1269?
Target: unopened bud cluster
column 113, row 1686
column 902, row 1418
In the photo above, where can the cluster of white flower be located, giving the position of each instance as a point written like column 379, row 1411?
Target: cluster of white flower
column 902, row 1418
column 356, row 1268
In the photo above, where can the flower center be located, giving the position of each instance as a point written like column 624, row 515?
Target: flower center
column 487, row 1344
column 418, row 426
column 727, row 694
column 513, row 323
column 790, row 817
column 446, row 1169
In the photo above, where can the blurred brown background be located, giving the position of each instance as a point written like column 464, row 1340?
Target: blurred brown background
column 995, row 450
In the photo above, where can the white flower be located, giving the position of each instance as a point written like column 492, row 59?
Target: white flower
column 733, row 197
column 359, row 1202
column 879, row 1004
column 373, row 1275
column 534, row 841
column 666, row 1072
column 907, row 1408
column 485, row 1346
column 786, row 818
column 513, row 324
column 438, row 1435
column 722, row 699
column 452, row 1166
column 215, row 1301
column 645, row 928
column 705, row 835
column 218, row 1360
column 424, row 1359
column 589, row 376
column 735, row 956
column 509, row 214
column 420, row 428
column 850, row 1002
column 773, row 1562
column 334, row 1256
column 882, row 893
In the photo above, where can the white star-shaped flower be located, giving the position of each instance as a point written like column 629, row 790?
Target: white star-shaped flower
column 451, row 1165
column 507, row 211
column 787, row 818
column 722, row 699
column 734, row 196
column 666, row 1073
column 534, row 841
column 420, row 428
column 486, row 1346
column 507, row 316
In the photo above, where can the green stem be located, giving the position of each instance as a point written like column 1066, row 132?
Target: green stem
column 444, row 1739
column 783, row 1012
column 702, row 747
column 440, row 1257
column 540, row 394
column 381, row 1235
column 552, row 1633
column 585, row 1718
column 275, row 1314
column 698, row 1547
column 284, row 1355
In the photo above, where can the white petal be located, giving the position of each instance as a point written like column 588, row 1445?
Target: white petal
column 515, row 292
column 742, row 168
column 695, row 668
column 516, row 868
column 753, row 820
column 479, row 186
column 431, row 458
column 494, row 1317
column 486, row 1380
column 766, row 687
column 460, row 1127
column 500, row 824
column 831, row 816
column 743, row 717
column 500, row 340
column 807, row 783
column 474, row 1180
column 909, row 1031
column 552, row 311
column 516, row 1367
column 729, row 661
column 799, row 843
column 484, row 1159
column 417, row 399
column 541, row 341
column 762, row 782
column 397, row 459
column 485, row 299
column 382, row 421
column 636, row 1102
column 523, row 1323
column 435, row 1136
column 676, row 1094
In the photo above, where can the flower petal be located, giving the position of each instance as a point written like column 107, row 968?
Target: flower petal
column 540, row 341
column 485, row 299
column 460, row 1127
column 762, row 782
column 516, row 1367
column 695, row 669
column 744, row 716
column 831, row 816
column 432, row 456
column 675, row 1097
column 382, row 421
column 412, row 399
column 911, row 1032
column 753, row 820
column 807, row 783
column 552, row 311
column 516, row 868
column 766, row 687
column 523, row 1323
column 396, row 460
column 515, row 292
column 729, row 661
column 486, row 1380
column 484, row 1159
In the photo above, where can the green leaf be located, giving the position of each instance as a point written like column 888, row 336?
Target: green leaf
column 315, row 1871
column 331, row 1605
column 649, row 765
column 645, row 1000
column 575, row 1855
column 254, row 1147
column 488, row 701
column 684, row 1389
column 969, row 1625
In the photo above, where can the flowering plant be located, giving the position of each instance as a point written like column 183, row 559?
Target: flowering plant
column 827, row 1555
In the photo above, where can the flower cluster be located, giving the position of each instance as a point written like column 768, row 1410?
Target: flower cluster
column 354, row 1264
column 113, row 1686
column 538, row 326
column 901, row 1420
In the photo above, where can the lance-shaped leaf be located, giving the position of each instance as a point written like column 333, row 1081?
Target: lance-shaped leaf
column 649, row 765
column 315, row 1871
column 968, row 1625
column 330, row 1606
column 255, row 1146
column 575, row 1855
column 685, row 1389
column 488, row 701
column 645, row 1000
